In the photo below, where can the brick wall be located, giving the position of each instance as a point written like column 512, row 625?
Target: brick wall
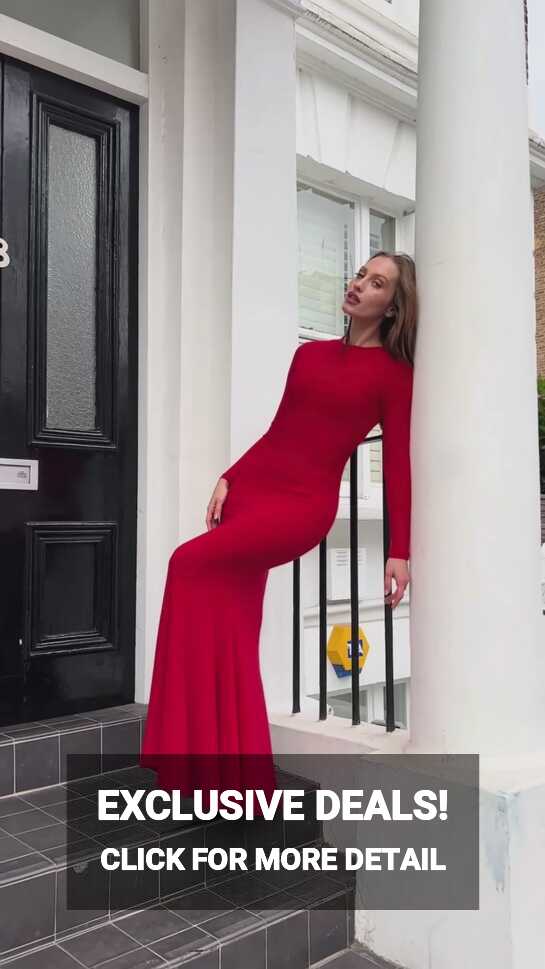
column 539, row 264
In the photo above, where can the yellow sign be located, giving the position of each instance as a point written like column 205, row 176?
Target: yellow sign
column 339, row 649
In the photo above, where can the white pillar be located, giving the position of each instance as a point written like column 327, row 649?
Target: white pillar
column 264, row 316
column 477, row 632
column 205, row 252
column 187, row 129
column 477, row 636
column 161, row 139
column 218, row 276
column 222, row 289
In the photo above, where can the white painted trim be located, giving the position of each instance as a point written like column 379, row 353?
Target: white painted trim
column 353, row 72
column 51, row 53
column 362, row 234
column 295, row 733
column 323, row 186
column 293, row 7
column 323, row 55
column 362, row 22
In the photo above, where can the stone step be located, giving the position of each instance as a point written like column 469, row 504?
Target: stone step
column 61, row 908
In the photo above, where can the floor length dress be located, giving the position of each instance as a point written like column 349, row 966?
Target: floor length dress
column 207, row 724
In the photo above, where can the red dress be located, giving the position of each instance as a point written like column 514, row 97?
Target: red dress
column 206, row 708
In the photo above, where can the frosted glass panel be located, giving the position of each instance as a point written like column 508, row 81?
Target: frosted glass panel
column 71, row 280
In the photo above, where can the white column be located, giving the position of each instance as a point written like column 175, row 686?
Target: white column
column 477, row 632
column 264, row 316
column 205, row 253
column 161, row 131
column 188, row 50
column 221, row 294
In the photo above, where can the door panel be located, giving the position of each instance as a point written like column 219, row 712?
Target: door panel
column 68, row 396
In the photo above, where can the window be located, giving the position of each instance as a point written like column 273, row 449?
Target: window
column 334, row 234
column 369, row 471
column 375, row 457
column 381, row 232
column 326, row 259
column 345, row 479
column 341, row 703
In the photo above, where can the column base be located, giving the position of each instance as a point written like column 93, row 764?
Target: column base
column 508, row 929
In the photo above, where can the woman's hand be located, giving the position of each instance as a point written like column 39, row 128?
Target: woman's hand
column 398, row 569
column 213, row 511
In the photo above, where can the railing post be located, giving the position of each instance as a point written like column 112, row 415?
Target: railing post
column 354, row 587
column 389, row 713
column 323, row 628
column 296, row 700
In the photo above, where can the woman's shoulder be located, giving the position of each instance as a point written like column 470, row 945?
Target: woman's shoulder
column 380, row 357
column 310, row 347
column 306, row 342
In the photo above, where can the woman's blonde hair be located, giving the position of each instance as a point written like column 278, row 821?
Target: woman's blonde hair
column 398, row 332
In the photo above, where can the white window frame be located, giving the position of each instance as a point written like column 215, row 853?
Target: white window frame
column 304, row 332
column 362, row 220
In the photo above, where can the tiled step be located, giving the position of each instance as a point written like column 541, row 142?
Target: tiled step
column 41, row 754
column 152, row 918
column 206, row 929
column 354, row 958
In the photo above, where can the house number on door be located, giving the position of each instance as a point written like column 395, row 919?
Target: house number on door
column 4, row 257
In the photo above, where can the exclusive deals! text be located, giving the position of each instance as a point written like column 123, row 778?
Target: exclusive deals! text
column 122, row 805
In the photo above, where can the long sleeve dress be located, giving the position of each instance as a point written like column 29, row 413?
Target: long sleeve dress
column 207, row 724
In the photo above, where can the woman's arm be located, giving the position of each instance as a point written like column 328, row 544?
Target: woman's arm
column 396, row 425
column 234, row 468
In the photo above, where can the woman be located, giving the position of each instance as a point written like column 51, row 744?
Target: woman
column 207, row 724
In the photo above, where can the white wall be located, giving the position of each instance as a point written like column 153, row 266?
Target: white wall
column 405, row 12
column 367, row 150
column 402, row 12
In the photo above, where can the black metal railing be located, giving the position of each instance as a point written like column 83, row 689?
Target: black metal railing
column 389, row 720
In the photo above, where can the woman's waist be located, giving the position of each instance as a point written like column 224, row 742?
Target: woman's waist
column 294, row 464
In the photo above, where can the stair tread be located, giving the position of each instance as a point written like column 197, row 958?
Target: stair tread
column 172, row 930
column 64, row 816
column 167, row 933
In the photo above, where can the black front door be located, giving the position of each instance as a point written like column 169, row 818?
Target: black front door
column 68, row 396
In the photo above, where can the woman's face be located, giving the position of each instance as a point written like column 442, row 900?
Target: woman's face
column 372, row 289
